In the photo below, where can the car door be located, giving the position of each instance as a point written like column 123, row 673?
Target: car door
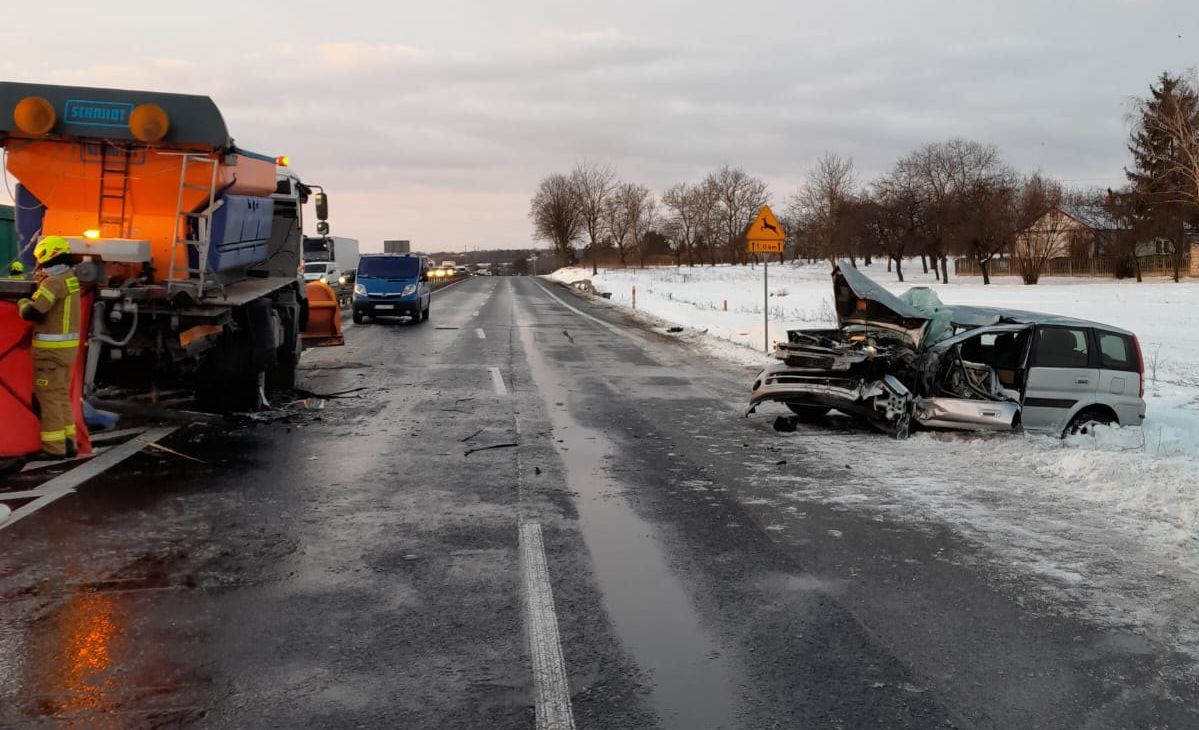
column 1063, row 371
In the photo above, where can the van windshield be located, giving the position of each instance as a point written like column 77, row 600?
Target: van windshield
column 389, row 267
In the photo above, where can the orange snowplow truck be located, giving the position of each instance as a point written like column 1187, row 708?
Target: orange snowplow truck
column 191, row 247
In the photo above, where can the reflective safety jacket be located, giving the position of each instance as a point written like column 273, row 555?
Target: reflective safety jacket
column 54, row 310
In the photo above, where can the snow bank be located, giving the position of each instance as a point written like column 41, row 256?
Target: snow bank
column 1110, row 522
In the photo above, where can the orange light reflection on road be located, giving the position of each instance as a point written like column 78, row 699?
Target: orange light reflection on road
column 77, row 677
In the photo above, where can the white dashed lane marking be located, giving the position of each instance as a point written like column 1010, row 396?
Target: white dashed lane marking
column 552, row 690
column 497, row 380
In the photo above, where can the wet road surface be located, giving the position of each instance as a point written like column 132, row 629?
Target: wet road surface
column 533, row 508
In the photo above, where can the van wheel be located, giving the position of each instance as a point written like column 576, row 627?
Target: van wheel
column 1085, row 422
column 357, row 317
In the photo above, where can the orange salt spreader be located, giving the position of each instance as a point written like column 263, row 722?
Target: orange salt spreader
column 189, row 246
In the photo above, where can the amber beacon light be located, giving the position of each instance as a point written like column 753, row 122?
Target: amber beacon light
column 149, row 122
column 34, row 115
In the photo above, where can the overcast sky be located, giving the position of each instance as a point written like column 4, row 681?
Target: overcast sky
column 434, row 120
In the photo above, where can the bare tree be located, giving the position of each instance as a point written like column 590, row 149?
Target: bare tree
column 1123, row 233
column 555, row 213
column 645, row 220
column 740, row 196
column 945, row 170
column 683, row 219
column 708, row 208
column 624, row 215
column 820, row 204
column 593, row 184
column 987, row 216
column 897, row 217
column 616, row 222
column 1041, row 224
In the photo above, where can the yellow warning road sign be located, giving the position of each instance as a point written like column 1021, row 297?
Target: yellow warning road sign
column 765, row 234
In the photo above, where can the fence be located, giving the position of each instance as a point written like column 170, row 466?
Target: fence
column 1156, row 265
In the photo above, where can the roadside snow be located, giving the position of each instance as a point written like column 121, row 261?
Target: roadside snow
column 1109, row 524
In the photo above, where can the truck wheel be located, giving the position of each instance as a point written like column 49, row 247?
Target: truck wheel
column 287, row 361
column 227, row 380
column 235, row 392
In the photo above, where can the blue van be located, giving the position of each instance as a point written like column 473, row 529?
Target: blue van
column 392, row 285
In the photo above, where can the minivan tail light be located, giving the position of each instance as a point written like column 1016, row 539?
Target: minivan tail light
column 1140, row 364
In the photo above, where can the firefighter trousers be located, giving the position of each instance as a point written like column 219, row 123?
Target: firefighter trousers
column 52, row 369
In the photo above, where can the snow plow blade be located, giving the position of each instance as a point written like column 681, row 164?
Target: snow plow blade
column 324, row 317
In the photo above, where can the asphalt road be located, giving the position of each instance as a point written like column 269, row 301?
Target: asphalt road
column 608, row 561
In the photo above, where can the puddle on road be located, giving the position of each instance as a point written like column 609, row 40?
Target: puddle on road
column 648, row 606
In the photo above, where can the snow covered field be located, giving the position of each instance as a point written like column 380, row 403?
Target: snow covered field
column 1108, row 524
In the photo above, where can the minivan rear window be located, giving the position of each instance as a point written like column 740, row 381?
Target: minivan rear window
column 1116, row 351
column 389, row 267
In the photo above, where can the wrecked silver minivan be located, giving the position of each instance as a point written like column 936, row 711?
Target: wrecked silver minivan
column 911, row 361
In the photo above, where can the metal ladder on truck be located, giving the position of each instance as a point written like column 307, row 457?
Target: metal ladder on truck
column 114, row 190
column 196, row 277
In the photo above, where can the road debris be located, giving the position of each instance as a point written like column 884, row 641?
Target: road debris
column 160, row 447
column 468, row 452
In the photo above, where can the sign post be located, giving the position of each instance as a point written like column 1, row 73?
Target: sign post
column 765, row 236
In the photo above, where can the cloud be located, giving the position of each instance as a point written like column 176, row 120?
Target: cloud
column 349, row 56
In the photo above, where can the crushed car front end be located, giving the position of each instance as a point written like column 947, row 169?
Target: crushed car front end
column 881, row 364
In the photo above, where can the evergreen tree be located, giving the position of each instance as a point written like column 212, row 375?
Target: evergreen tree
column 1160, row 191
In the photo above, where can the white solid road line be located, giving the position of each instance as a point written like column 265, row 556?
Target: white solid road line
column 497, row 380
column 101, row 436
column 480, row 333
column 552, row 691
column 581, row 313
column 38, row 465
column 64, row 484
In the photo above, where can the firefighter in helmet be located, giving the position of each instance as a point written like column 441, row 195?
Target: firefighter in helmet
column 55, row 314
column 16, row 270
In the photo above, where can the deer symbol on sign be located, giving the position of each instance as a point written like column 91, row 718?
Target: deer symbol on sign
column 767, row 227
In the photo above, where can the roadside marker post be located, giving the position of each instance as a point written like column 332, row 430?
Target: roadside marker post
column 765, row 236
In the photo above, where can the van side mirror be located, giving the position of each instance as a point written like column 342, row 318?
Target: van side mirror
column 322, row 206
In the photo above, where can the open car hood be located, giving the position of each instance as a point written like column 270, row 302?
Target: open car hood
column 859, row 300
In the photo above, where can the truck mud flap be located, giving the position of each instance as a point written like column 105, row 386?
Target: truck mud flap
column 323, row 328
